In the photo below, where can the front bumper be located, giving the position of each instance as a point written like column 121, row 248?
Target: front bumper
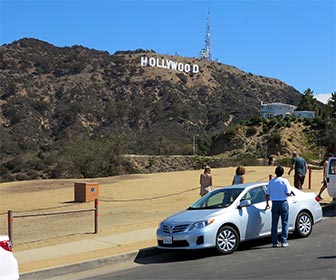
column 195, row 239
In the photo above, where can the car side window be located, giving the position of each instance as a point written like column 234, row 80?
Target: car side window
column 332, row 167
column 256, row 195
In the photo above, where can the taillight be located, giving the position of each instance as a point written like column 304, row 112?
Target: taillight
column 6, row 244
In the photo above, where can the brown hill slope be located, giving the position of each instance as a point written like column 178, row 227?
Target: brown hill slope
column 57, row 103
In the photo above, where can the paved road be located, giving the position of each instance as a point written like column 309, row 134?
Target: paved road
column 309, row 258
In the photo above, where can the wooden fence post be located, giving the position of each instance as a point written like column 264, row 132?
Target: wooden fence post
column 96, row 215
column 309, row 178
column 10, row 225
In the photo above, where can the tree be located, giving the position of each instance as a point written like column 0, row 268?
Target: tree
column 331, row 124
column 308, row 101
column 332, row 104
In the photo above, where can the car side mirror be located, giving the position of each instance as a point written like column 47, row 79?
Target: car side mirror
column 245, row 203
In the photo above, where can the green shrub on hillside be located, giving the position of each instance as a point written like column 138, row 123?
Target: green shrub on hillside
column 286, row 161
column 251, row 131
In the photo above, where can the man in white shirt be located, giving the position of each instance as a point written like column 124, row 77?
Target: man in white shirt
column 278, row 190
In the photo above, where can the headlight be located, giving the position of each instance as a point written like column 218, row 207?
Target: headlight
column 201, row 224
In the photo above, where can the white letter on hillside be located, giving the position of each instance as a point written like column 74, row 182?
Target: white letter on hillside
column 152, row 61
column 158, row 63
column 195, row 68
column 180, row 67
column 143, row 61
column 168, row 62
column 173, row 65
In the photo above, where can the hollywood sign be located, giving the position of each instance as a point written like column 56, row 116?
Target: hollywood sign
column 169, row 64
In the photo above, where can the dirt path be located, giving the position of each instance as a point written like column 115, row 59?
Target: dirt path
column 125, row 203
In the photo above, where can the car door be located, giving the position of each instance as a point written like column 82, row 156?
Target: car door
column 255, row 220
column 331, row 177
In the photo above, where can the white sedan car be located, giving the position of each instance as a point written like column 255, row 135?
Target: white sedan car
column 228, row 215
column 9, row 269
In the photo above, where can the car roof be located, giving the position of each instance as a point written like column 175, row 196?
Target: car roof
column 245, row 185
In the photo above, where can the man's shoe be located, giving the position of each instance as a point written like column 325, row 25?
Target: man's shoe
column 284, row 245
column 275, row 245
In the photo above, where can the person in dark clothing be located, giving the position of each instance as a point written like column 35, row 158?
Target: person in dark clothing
column 300, row 168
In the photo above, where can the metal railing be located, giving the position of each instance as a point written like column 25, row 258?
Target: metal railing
column 11, row 217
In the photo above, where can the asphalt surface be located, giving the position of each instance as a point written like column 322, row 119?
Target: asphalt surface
column 83, row 246
column 306, row 258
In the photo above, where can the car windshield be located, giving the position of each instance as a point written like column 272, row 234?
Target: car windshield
column 220, row 198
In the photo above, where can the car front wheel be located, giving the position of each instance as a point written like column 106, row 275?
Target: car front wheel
column 227, row 240
column 303, row 225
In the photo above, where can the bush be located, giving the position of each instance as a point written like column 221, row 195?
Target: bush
column 276, row 138
column 287, row 161
column 230, row 133
column 14, row 165
column 251, row 131
column 248, row 159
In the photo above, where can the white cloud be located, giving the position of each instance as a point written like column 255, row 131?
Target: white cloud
column 323, row 97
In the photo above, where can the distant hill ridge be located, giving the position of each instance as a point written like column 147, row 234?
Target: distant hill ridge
column 54, row 97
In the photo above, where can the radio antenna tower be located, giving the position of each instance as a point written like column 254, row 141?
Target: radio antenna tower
column 206, row 52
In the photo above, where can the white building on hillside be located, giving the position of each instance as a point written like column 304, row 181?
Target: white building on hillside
column 280, row 109
column 276, row 109
column 305, row 114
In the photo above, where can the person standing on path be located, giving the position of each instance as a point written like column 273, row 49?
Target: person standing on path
column 205, row 181
column 300, row 167
column 239, row 178
column 324, row 179
column 278, row 190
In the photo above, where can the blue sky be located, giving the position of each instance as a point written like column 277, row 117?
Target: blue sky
column 291, row 40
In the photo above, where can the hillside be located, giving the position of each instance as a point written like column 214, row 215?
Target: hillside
column 64, row 107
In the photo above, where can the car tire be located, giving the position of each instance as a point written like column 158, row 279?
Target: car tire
column 227, row 240
column 303, row 225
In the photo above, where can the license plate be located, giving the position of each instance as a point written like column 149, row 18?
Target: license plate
column 167, row 240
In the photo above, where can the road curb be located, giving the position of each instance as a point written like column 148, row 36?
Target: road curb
column 89, row 265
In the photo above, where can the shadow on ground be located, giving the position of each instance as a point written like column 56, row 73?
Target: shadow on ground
column 329, row 210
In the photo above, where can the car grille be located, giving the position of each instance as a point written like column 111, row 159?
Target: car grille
column 174, row 229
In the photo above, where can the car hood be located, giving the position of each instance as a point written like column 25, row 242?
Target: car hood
column 191, row 216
